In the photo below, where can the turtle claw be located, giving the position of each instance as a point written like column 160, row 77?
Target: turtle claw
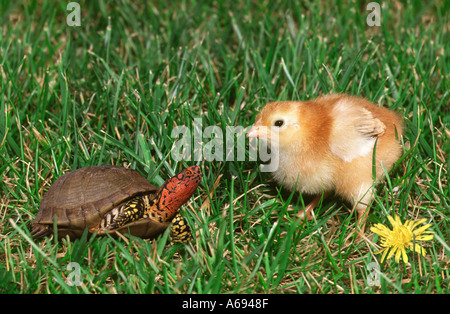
column 40, row 231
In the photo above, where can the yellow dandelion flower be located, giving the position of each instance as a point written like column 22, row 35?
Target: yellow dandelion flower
column 402, row 237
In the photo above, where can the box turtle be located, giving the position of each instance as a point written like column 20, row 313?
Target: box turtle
column 110, row 199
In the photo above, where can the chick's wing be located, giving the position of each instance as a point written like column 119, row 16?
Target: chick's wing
column 354, row 130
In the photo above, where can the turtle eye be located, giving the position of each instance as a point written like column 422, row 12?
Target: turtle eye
column 278, row 123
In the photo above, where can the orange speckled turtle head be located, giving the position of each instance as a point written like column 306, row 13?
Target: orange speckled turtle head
column 175, row 192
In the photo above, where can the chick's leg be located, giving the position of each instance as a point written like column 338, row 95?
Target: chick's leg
column 308, row 211
column 362, row 217
column 362, row 210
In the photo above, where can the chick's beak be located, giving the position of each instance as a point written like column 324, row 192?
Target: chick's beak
column 260, row 132
column 257, row 130
column 254, row 131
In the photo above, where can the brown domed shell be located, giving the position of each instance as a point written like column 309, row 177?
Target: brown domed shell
column 80, row 198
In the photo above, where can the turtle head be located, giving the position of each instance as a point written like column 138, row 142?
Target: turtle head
column 176, row 191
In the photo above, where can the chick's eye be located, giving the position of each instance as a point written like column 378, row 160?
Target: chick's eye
column 279, row 123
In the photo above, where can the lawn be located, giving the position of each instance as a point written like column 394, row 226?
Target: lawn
column 114, row 90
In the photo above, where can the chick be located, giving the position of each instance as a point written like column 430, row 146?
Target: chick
column 326, row 145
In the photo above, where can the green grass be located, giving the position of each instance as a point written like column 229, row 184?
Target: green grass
column 112, row 90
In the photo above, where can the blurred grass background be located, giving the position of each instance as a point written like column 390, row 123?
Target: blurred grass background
column 111, row 91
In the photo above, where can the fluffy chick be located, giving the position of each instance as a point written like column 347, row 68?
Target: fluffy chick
column 326, row 145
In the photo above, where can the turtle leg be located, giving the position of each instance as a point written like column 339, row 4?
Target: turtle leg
column 180, row 231
column 131, row 211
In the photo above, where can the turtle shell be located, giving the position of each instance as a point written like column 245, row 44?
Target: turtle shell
column 80, row 198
